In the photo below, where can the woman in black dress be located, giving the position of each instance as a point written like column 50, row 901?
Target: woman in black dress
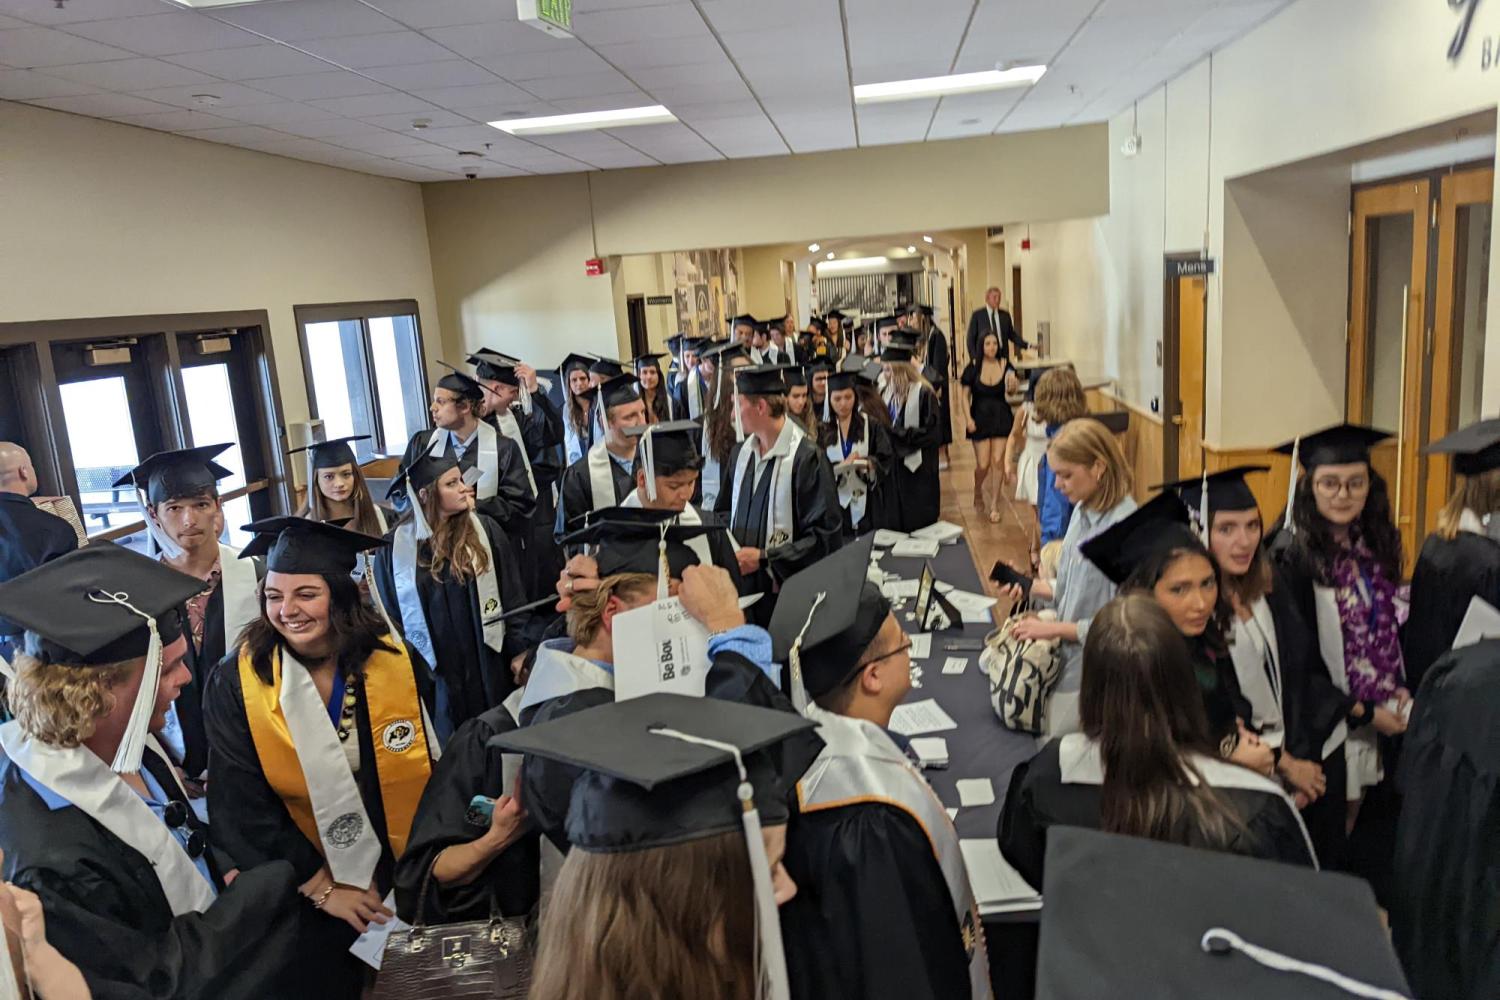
column 989, row 418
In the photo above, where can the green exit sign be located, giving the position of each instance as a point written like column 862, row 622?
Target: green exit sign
column 558, row 12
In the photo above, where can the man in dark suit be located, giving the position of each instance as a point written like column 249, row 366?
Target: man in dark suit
column 992, row 317
column 28, row 536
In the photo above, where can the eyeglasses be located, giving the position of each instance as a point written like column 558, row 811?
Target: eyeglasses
column 176, row 816
column 1329, row 487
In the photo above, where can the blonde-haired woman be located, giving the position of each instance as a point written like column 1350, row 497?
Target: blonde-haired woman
column 1092, row 473
column 445, row 582
column 1460, row 560
column 916, row 432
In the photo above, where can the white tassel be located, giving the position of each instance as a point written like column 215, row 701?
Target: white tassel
column 739, row 423
column 1291, row 488
column 133, row 742
column 794, row 658
column 648, row 465
column 827, row 396
column 1219, row 940
column 1203, row 508
column 663, row 565
column 524, row 394
column 419, row 519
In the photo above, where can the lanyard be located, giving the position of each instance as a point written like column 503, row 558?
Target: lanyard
column 1268, row 659
column 336, row 699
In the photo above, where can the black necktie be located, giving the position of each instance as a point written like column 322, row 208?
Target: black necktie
column 746, row 498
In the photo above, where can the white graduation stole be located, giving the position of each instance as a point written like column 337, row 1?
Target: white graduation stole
column 1331, row 645
column 409, row 600
column 75, row 774
column 238, row 582
column 780, row 526
column 330, row 784
column 601, row 477
column 911, row 419
column 854, row 492
column 572, row 443
column 512, row 430
column 860, row 764
column 487, row 461
column 1260, row 674
column 694, row 394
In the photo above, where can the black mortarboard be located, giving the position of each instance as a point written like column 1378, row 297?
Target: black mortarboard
column 494, row 366
column 466, row 385
column 896, row 352
column 64, row 625
column 667, row 448
column 778, row 321
column 886, row 323
column 572, row 361
column 796, row 375
column 183, row 473
column 834, row 314
column 694, row 344
column 761, row 380
column 744, row 319
column 850, row 609
column 819, row 365
column 302, row 545
column 853, row 362
column 918, row 308
column 641, row 789
column 1159, row 524
column 842, row 380
column 1475, row 448
column 607, row 368
column 1342, row 444
column 422, row 472
column 331, row 454
column 629, row 540
column 651, row 359
column 674, row 343
column 720, row 351
column 1227, row 489
column 617, row 390
column 1132, row 917
column 905, row 338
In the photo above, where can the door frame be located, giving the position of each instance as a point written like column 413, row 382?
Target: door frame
column 1171, row 358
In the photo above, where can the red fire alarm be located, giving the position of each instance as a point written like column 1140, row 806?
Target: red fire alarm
column 1026, row 243
column 593, row 267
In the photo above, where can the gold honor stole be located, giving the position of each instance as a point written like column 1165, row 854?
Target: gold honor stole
column 402, row 763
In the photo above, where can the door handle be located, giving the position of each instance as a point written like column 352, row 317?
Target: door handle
column 1177, row 419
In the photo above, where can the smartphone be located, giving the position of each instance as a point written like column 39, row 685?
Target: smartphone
column 1002, row 573
column 480, row 812
column 963, row 645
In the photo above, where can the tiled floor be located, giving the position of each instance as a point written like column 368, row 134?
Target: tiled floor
column 1008, row 540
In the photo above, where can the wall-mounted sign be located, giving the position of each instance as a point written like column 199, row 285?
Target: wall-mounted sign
column 659, row 300
column 593, row 267
column 1191, row 268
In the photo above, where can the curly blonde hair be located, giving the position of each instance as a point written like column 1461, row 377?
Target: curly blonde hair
column 60, row 704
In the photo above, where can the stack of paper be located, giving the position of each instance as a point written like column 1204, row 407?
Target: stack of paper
column 921, row 646
column 932, row 751
column 925, row 716
column 975, row 608
column 998, row 888
column 915, row 548
column 939, row 531
column 886, row 537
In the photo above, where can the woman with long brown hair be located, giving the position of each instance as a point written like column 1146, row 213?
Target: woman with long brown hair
column 336, row 487
column 916, row 433
column 446, row 581
column 578, row 418
column 721, row 431
column 1145, row 763
column 661, row 405
column 988, row 417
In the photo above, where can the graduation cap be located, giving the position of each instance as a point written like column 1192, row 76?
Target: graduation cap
column 1159, row 525
column 302, row 545
column 330, row 454
column 101, row 605
column 744, row 319
column 493, row 366
column 722, row 351
column 651, row 359
column 668, row 769
column 762, row 380
column 819, row 365
column 772, row 323
column 694, row 344
column 674, row 343
column 1342, row 444
column 617, row 390
column 917, row 308
column 826, row 617
column 1132, row 917
column 667, row 449
column 853, row 362
column 796, row 375
column 418, row 474
column 1224, row 490
column 896, row 352
column 462, row 383
column 607, row 368
column 1475, row 448
column 638, row 540
column 185, row 472
column 834, row 314
column 572, row 361
column 842, row 380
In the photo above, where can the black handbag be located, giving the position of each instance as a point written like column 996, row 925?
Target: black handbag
column 468, row 961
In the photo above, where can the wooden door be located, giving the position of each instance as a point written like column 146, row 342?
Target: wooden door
column 1192, row 302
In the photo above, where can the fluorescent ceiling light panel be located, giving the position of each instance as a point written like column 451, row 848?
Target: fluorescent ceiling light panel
column 200, row 4
column 656, row 114
column 942, row 86
column 853, row 264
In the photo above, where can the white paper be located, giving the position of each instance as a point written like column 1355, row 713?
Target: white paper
column 885, row 537
column 915, row 548
column 955, row 664
column 369, row 947
column 931, row 750
column 1481, row 621
column 973, row 608
column 925, row 716
column 939, row 531
column 921, row 645
column 902, row 590
column 975, row 791
column 659, row 647
column 998, row 887
column 952, row 814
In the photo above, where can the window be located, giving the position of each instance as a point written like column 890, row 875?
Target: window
column 101, row 432
column 210, row 406
column 365, row 373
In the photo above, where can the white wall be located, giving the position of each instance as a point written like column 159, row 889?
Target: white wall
column 101, row 219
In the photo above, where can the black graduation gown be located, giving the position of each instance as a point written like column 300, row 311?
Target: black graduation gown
column 918, row 497
column 253, row 825
column 937, row 358
column 1448, row 575
column 872, row 918
column 815, row 512
column 513, row 502
column 1445, row 906
column 882, row 457
column 1220, row 687
column 576, row 493
column 1038, row 799
column 473, row 676
column 107, row 914
column 543, row 434
column 468, row 767
column 29, row 537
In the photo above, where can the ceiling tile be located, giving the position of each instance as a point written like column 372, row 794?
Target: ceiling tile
column 717, row 111
column 435, row 120
column 600, row 102
column 305, row 19
column 624, row 158
column 28, row 48
column 384, row 143
column 719, row 71
column 464, row 136
column 570, row 61
column 495, row 94
column 604, row 27
column 28, row 84
column 12, row 22
column 736, row 15
column 325, row 129
column 252, row 63
column 394, row 48
column 700, row 93
column 78, row 10
column 101, row 105
column 432, row 75
column 374, row 104
column 176, row 121
column 439, row 13
column 229, row 94
column 165, row 34
column 582, row 85
column 657, row 52
column 340, row 83
column 505, row 110
column 497, row 39
column 131, row 74
column 301, row 149
column 275, row 115
column 234, row 134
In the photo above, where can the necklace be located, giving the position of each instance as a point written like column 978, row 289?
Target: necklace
column 346, row 713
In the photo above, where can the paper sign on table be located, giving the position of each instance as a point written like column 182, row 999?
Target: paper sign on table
column 955, row 664
column 997, row 886
column 369, row 947
column 915, row 548
column 921, row 645
column 925, row 716
column 931, row 750
column 939, row 531
column 886, row 537
column 975, row 792
column 903, row 590
column 659, row 647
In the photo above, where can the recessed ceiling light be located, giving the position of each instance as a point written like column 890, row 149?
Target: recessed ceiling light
column 968, row 121
column 830, row 255
column 940, row 86
column 812, row 248
column 927, row 239
column 911, row 249
column 655, row 114
column 215, row 3
column 207, row 100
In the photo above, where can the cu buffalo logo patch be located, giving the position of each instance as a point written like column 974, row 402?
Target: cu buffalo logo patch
column 491, row 606
column 345, row 830
column 399, row 736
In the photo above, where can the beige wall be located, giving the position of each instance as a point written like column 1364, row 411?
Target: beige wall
column 760, row 279
column 103, row 219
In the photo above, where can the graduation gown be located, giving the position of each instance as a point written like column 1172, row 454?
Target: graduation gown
column 1445, row 910
column 106, row 911
column 918, row 494
column 576, row 493
column 253, row 825
column 29, row 537
column 1219, row 685
column 937, row 359
column 543, row 434
column 469, row 767
column 1062, row 785
column 882, row 457
column 1448, row 576
column 471, row 676
column 513, row 502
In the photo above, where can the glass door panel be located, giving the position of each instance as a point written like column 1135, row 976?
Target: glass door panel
column 101, row 435
column 211, row 415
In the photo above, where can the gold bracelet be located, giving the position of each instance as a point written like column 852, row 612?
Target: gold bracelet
column 323, row 896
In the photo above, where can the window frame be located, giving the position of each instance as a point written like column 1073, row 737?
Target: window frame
column 370, row 404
